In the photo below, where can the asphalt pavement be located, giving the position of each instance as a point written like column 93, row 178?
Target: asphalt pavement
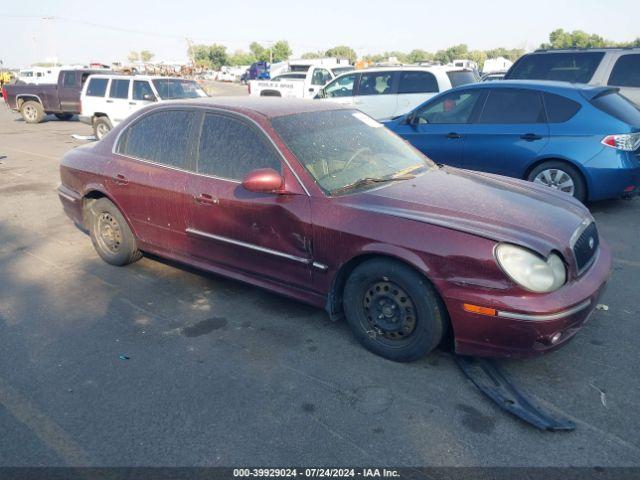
column 155, row 364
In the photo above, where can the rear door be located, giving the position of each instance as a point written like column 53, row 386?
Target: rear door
column 440, row 126
column 626, row 75
column 414, row 88
column 377, row 94
column 149, row 172
column 265, row 235
column 117, row 103
column 509, row 134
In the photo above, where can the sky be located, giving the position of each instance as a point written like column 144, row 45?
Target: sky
column 82, row 31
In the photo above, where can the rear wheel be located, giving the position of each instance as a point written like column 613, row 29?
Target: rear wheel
column 560, row 176
column 393, row 310
column 101, row 126
column 110, row 234
column 32, row 111
column 64, row 116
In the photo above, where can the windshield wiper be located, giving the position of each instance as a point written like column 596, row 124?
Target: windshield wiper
column 371, row 180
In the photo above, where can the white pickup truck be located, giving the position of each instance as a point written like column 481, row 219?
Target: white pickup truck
column 317, row 75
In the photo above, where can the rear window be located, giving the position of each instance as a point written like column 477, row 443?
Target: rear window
column 462, row 77
column 97, row 87
column 119, row 89
column 575, row 67
column 417, row 82
column 619, row 107
column 559, row 109
column 626, row 72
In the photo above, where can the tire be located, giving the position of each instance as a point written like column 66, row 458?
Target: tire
column 32, row 111
column 393, row 310
column 110, row 234
column 559, row 174
column 101, row 126
column 64, row 116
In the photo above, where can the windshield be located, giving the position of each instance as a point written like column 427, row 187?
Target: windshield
column 575, row 67
column 337, row 71
column 462, row 77
column 346, row 151
column 175, row 88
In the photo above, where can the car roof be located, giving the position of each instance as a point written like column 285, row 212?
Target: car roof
column 589, row 91
column 586, row 50
column 269, row 107
column 135, row 77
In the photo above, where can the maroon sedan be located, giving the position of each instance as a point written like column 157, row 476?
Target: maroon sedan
column 320, row 203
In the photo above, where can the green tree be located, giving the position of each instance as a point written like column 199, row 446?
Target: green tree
column 451, row 53
column 260, row 53
column 133, row 57
column 417, row 55
column 478, row 56
column 312, row 55
column 241, row 57
column 342, row 51
column 576, row 39
column 280, row 51
column 146, row 56
column 209, row 56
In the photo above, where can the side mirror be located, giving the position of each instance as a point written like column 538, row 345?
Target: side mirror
column 263, row 180
column 149, row 97
column 410, row 119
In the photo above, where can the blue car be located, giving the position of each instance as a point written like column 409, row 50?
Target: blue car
column 580, row 139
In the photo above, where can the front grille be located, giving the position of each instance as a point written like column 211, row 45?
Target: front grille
column 586, row 246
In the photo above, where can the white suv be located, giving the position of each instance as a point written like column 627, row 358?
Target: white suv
column 108, row 99
column 387, row 92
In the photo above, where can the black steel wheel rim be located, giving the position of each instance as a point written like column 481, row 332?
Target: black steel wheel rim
column 389, row 311
column 109, row 234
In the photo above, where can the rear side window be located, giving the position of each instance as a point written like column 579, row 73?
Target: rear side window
column 375, row 83
column 559, row 109
column 69, row 79
column 119, row 89
column 142, row 90
column 507, row 105
column 618, row 106
column 229, row 148
column 626, row 71
column 417, row 82
column 320, row 76
column 576, row 67
column 97, row 87
column 462, row 77
column 163, row 137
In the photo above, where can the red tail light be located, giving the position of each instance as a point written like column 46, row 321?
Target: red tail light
column 627, row 142
column 4, row 93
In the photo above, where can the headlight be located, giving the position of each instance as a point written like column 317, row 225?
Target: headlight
column 529, row 270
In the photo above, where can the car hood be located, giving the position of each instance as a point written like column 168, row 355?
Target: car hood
column 491, row 206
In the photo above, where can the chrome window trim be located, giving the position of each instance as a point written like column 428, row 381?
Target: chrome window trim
column 206, row 109
column 551, row 316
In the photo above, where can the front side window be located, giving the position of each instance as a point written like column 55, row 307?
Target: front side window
column 507, row 105
column 162, row 137
column 417, row 82
column 626, row 71
column 341, row 87
column 119, row 89
column 229, row 148
column 576, row 67
column 97, row 87
column 69, row 79
column 142, row 90
column 176, row 88
column 345, row 150
column 320, row 77
column 454, row 107
column 375, row 83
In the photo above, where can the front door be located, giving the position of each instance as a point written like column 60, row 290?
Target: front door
column 263, row 235
column 341, row 89
column 69, row 91
column 510, row 133
column 439, row 127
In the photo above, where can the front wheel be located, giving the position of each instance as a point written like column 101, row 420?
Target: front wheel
column 101, row 126
column 110, row 234
column 560, row 176
column 393, row 310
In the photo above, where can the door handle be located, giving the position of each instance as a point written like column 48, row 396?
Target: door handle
column 121, row 180
column 132, row 103
column 205, row 199
column 109, row 101
column 530, row 137
column 453, row 135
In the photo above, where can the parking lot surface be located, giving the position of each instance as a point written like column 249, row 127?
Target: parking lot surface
column 156, row 364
